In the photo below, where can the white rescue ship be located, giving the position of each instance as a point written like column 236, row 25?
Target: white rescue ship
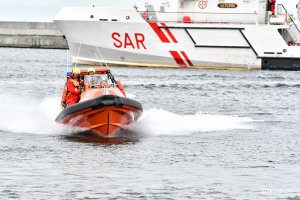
column 221, row 34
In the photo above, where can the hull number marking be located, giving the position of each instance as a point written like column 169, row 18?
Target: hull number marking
column 135, row 41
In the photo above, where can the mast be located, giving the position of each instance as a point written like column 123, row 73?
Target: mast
column 298, row 10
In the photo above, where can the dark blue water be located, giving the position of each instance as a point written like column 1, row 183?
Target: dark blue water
column 204, row 134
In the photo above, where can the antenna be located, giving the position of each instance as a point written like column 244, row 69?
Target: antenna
column 67, row 60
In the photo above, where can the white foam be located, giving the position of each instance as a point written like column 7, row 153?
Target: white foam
column 28, row 115
column 131, row 96
column 162, row 122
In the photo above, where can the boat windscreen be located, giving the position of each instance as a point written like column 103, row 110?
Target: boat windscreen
column 95, row 79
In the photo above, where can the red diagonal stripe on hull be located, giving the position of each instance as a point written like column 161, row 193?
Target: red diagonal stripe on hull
column 170, row 33
column 159, row 32
column 187, row 58
column 178, row 58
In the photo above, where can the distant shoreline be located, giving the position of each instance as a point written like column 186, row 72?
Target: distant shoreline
column 44, row 35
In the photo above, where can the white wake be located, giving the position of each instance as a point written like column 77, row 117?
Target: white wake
column 29, row 115
column 162, row 122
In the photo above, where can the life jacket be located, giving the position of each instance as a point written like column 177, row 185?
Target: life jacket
column 120, row 86
column 71, row 94
column 76, row 83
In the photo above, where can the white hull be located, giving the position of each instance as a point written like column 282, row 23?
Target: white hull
column 116, row 40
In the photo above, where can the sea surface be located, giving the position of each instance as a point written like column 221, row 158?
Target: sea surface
column 204, row 134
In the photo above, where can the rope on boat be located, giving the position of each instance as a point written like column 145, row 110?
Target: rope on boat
column 78, row 54
column 110, row 76
column 101, row 57
column 99, row 60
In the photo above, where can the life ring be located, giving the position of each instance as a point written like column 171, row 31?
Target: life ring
column 202, row 4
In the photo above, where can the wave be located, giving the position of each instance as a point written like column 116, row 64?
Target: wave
column 274, row 77
column 214, row 84
column 183, row 85
column 272, row 85
column 29, row 115
column 161, row 122
column 296, row 85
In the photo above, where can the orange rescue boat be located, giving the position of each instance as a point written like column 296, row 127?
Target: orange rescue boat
column 103, row 107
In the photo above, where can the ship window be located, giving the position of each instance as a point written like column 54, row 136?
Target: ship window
column 92, row 16
column 218, row 37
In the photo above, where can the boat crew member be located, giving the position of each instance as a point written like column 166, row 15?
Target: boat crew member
column 272, row 6
column 101, row 84
column 73, row 87
column 91, row 71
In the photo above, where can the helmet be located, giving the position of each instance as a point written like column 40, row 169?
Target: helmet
column 91, row 70
column 76, row 70
column 69, row 73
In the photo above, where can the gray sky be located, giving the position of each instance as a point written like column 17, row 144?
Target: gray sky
column 45, row 10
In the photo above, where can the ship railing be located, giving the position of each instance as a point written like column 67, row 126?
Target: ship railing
column 281, row 10
column 199, row 17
